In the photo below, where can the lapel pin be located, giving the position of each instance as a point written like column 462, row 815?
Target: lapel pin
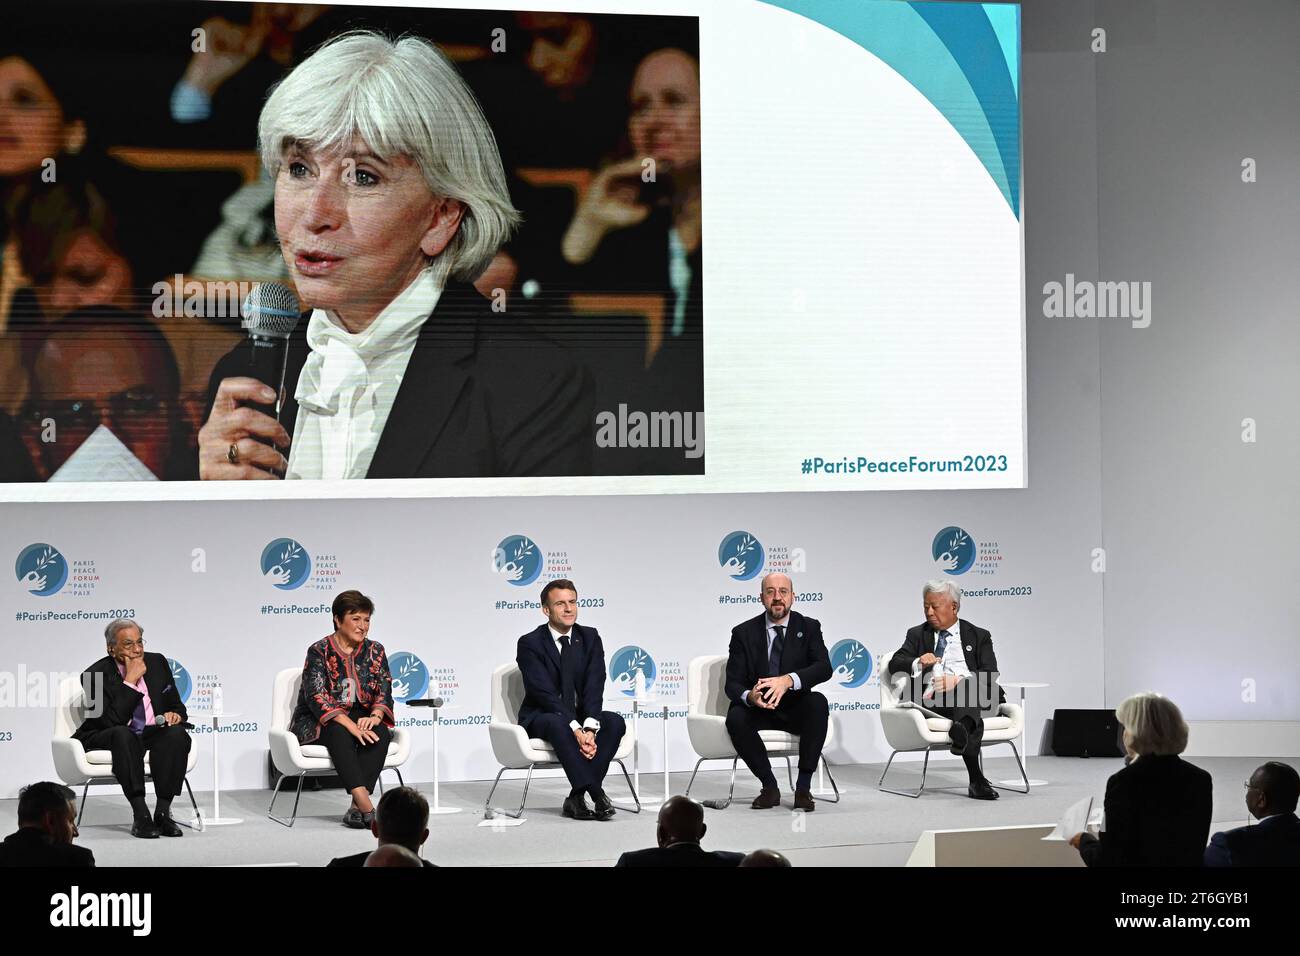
column 969, row 648
column 800, row 634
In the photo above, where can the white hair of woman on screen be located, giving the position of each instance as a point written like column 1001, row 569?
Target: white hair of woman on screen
column 386, row 170
column 1153, row 725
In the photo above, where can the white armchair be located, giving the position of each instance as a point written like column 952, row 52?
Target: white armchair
column 78, row 767
column 515, row 750
column 706, row 725
column 910, row 728
column 293, row 759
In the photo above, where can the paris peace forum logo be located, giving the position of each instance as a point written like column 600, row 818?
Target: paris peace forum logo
column 286, row 564
column 953, row 550
column 181, row 679
column 624, row 665
column 41, row 569
column 518, row 559
column 851, row 663
column 410, row 676
column 741, row 556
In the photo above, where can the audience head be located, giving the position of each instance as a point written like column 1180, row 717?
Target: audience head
column 764, row 858
column 1273, row 788
column 38, row 117
column 561, row 48
column 681, row 820
column 100, row 366
column 390, row 854
column 664, row 122
column 51, row 808
column 402, row 819
column 1153, row 725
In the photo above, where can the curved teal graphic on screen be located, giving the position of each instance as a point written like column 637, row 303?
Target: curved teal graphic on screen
column 181, row 679
column 625, row 663
column 962, row 57
column 410, row 676
column 851, row 663
column 41, row 569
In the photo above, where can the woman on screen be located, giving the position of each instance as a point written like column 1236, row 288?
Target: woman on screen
column 389, row 200
column 345, row 703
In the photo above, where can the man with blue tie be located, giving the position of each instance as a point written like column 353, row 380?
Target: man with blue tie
column 1271, row 796
column 773, row 663
column 563, row 667
column 954, row 674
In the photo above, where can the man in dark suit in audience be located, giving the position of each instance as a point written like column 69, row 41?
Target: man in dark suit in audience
column 401, row 819
column 133, row 708
column 680, row 830
column 1271, row 795
column 773, row 663
column 954, row 674
column 563, row 666
column 47, row 825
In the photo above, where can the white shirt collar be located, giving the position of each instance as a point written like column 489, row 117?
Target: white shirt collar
column 556, row 635
column 784, row 622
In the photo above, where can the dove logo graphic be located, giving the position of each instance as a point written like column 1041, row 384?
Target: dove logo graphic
column 41, row 569
column 741, row 556
column 518, row 559
column 624, row 665
column 850, row 663
column 181, row 678
column 410, row 676
column 953, row 551
column 286, row 564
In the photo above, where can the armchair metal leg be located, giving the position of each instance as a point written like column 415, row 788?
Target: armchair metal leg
column 1019, row 765
column 85, row 791
column 490, row 812
column 902, row 793
column 827, row 764
column 635, row 796
column 789, row 773
column 289, row 821
column 197, row 826
column 716, row 804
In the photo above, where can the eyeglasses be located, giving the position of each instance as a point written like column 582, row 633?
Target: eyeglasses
column 136, row 411
column 1249, row 786
column 130, row 644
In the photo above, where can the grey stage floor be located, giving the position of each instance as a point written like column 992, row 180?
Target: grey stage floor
column 868, row 828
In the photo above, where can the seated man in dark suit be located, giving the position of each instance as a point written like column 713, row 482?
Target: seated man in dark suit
column 133, row 707
column 401, row 820
column 563, row 666
column 47, row 825
column 954, row 674
column 1271, row 795
column 680, row 830
column 773, row 663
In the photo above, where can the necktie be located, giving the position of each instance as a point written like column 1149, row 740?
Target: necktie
column 774, row 656
column 568, row 686
column 137, row 719
column 941, row 645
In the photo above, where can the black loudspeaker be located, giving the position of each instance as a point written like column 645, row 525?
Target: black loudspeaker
column 1087, row 733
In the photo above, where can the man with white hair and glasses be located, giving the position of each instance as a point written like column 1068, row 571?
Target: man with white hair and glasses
column 954, row 673
column 390, row 199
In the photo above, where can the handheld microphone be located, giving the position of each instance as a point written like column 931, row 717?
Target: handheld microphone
column 160, row 721
column 270, row 314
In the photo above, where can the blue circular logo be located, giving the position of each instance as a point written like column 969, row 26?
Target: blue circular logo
column 41, row 569
column 286, row 564
column 953, row 551
column 181, row 678
column 410, row 676
column 741, row 556
column 850, row 663
column 623, row 667
column 518, row 559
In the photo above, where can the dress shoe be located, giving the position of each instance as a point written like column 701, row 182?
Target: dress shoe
column 803, row 800
column 166, row 826
column 355, row 819
column 767, row 798
column 981, row 791
column 602, row 806
column 575, row 808
column 959, row 736
column 144, row 829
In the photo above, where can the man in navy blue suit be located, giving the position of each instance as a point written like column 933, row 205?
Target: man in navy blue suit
column 1271, row 795
column 773, row 663
column 563, row 666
